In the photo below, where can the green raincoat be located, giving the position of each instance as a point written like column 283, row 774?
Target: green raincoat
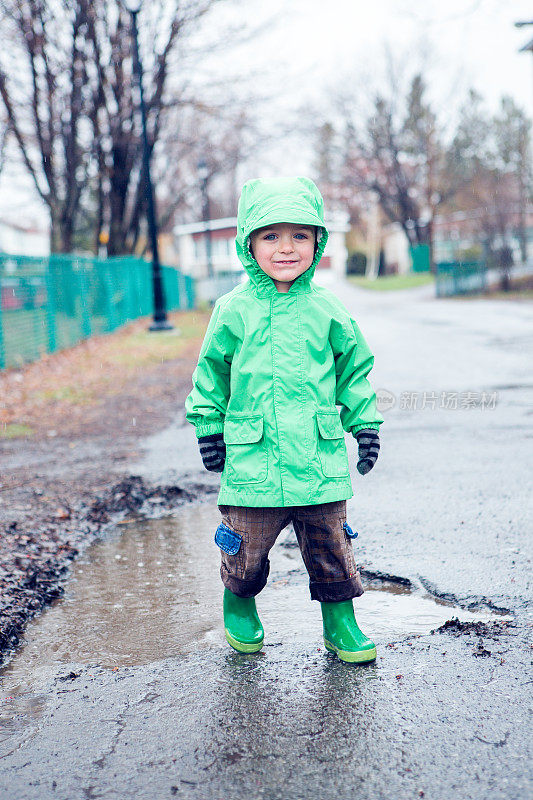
column 274, row 366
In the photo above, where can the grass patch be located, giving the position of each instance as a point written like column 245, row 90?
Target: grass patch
column 15, row 431
column 42, row 395
column 143, row 347
column 70, row 394
column 393, row 282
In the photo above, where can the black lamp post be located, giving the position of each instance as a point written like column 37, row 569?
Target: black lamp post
column 203, row 173
column 160, row 321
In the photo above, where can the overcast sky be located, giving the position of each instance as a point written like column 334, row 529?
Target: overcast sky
column 316, row 45
column 305, row 46
column 475, row 38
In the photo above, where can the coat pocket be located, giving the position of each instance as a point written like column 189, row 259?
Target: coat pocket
column 331, row 445
column 246, row 452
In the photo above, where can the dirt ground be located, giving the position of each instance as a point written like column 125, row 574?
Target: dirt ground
column 67, row 423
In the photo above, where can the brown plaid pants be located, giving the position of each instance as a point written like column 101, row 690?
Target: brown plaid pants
column 247, row 534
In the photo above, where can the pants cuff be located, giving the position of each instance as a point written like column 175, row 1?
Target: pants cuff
column 245, row 587
column 336, row 591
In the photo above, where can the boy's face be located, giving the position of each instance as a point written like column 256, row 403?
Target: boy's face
column 284, row 251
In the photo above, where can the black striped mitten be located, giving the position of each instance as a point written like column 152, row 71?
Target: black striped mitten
column 213, row 451
column 368, row 441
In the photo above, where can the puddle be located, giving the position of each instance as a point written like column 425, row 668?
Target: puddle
column 145, row 592
column 152, row 590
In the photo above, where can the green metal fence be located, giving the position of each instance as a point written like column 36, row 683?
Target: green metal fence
column 50, row 303
column 420, row 256
column 460, row 277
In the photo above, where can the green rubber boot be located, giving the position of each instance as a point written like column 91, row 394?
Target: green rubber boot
column 343, row 636
column 242, row 625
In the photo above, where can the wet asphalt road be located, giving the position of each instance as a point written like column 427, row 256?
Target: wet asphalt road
column 448, row 506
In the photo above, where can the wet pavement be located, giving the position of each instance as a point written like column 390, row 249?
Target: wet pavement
column 126, row 688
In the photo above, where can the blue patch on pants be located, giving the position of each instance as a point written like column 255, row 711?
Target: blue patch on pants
column 349, row 532
column 227, row 539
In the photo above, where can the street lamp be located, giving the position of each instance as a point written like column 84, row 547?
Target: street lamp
column 160, row 322
column 203, row 174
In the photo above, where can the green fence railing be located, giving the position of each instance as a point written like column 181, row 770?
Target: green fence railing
column 460, row 277
column 421, row 257
column 50, row 303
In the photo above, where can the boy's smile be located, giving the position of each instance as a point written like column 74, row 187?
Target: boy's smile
column 284, row 251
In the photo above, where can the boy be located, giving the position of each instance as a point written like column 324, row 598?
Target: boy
column 280, row 353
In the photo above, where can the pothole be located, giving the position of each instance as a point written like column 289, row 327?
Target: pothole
column 151, row 590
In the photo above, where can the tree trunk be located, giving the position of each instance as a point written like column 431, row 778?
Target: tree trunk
column 505, row 280
column 522, row 225
column 56, row 241
column 61, row 230
column 432, row 265
column 117, row 207
column 67, row 233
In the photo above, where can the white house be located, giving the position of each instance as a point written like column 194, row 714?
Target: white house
column 396, row 247
column 27, row 238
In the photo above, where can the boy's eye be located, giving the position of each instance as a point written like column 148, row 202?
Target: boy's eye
column 272, row 236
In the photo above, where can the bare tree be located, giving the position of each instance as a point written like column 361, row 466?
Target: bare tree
column 512, row 132
column 417, row 163
column 73, row 110
column 116, row 127
column 44, row 89
column 492, row 155
column 398, row 153
column 185, row 120
column 222, row 135
column 4, row 130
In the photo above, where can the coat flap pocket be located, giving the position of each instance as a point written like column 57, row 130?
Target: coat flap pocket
column 243, row 430
column 227, row 539
column 329, row 424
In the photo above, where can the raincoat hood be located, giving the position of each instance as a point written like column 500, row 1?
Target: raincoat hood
column 272, row 201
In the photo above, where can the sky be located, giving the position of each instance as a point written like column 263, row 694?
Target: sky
column 301, row 50
column 315, row 47
column 475, row 39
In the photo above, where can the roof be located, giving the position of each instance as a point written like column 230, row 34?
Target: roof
column 212, row 225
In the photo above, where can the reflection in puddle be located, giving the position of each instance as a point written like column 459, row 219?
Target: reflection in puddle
column 152, row 590
column 145, row 592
